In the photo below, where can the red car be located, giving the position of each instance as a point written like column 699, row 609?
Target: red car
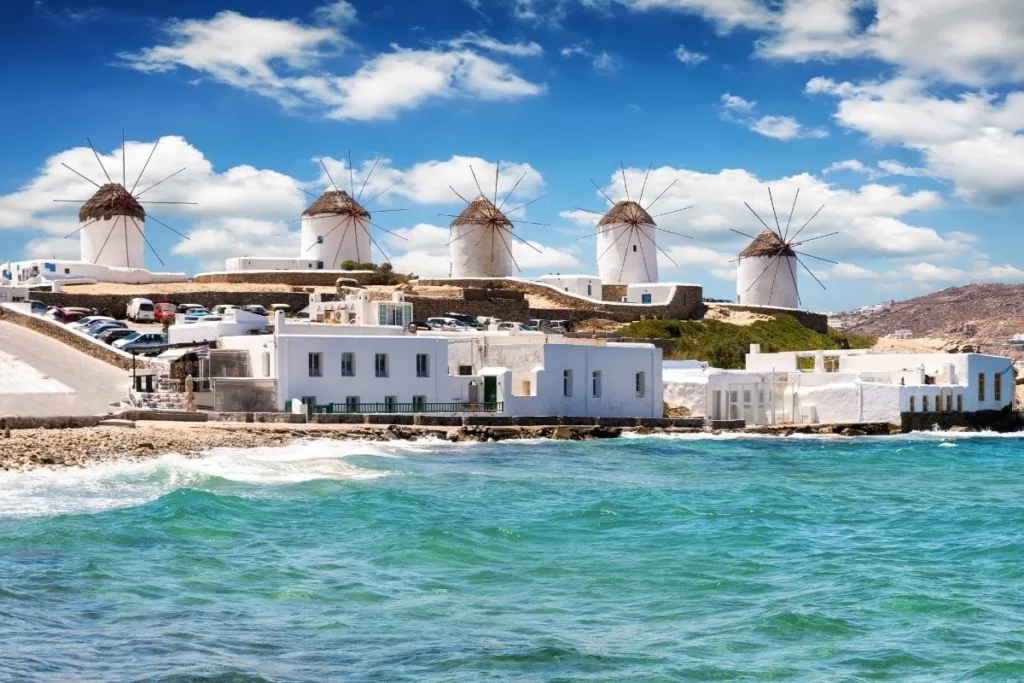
column 163, row 310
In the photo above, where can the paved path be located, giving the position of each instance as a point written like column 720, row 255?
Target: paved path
column 93, row 384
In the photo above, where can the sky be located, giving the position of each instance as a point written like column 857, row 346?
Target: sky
column 903, row 118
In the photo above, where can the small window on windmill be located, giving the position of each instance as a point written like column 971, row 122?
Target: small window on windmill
column 634, row 247
column 320, row 239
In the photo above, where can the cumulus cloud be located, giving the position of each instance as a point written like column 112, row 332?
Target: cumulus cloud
column 603, row 61
column 736, row 109
column 689, row 57
column 853, row 166
column 285, row 60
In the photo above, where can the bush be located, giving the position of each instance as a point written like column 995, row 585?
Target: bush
column 724, row 345
column 356, row 265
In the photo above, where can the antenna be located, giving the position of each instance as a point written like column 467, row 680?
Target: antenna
column 115, row 200
column 780, row 247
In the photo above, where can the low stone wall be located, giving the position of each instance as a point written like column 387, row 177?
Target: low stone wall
column 116, row 305
column 614, row 293
column 75, row 341
column 809, row 319
column 991, row 420
column 299, row 278
column 59, row 422
column 507, row 309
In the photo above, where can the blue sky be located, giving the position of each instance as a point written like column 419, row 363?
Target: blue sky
column 905, row 122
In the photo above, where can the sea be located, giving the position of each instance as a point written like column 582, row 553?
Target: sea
column 647, row 558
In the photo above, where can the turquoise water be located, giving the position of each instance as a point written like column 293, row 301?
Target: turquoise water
column 645, row 559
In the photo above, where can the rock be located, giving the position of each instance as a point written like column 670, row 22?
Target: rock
column 127, row 424
column 960, row 429
column 561, row 433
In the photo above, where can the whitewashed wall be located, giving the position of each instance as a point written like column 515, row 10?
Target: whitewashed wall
column 477, row 251
column 660, row 293
column 755, row 289
column 349, row 242
column 626, row 258
column 247, row 263
column 581, row 285
column 114, row 242
column 72, row 270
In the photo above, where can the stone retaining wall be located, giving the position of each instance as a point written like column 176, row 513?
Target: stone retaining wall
column 507, row 309
column 301, row 278
column 59, row 422
column 65, row 336
column 116, row 305
column 993, row 420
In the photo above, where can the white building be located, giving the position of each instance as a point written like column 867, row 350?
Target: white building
column 626, row 251
column 841, row 387
column 766, row 273
column 580, row 285
column 36, row 272
column 238, row 263
column 481, row 241
column 335, row 228
column 11, row 293
column 384, row 368
column 234, row 322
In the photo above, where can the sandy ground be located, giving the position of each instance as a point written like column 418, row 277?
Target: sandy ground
column 917, row 345
column 733, row 317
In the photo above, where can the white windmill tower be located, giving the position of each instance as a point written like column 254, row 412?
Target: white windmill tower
column 626, row 241
column 336, row 227
column 481, row 236
column 113, row 219
column 767, row 267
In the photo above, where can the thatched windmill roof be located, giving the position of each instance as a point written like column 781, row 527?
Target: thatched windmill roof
column 767, row 244
column 627, row 212
column 481, row 211
column 111, row 200
column 336, row 202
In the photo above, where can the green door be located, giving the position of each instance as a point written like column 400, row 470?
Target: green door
column 490, row 389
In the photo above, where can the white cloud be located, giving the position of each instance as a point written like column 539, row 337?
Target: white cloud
column 896, row 168
column 603, row 61
column 735, row 109
column 486, row 42
column 849, row 271
column 284, row 60
column 928, row 273
column 689, row 57
column 338, row 13
column 688, row 257
column 853, row 166
column 53, row 247
column 213, row 240
column 973, row 139
column 983, row 270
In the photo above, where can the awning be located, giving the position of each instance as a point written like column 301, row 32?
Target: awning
column 175, row 354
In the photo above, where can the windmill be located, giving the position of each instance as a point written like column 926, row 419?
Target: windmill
column 336, row 227
column 479, row 247
column 767, row 268
column 113, row 219
column 626, row 244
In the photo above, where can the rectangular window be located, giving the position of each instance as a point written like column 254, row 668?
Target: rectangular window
column 949, row 403
column 465, row 370
column 390, row 402
column 913, row 405
column 308, row 400
column 315, row 366
column 924, row 404
column 595, row 384
column 380, row 365
column 746, row 396
column 959, row 403
column 422, row 365
column 981, row 386
column 352, row 404
column 418, row 403
column 266, row 364
column 566, row 382
column 641, row 385
column 645, row 298
column 348, row 364
column 997, row 387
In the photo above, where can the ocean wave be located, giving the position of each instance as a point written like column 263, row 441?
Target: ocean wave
column 127, row 484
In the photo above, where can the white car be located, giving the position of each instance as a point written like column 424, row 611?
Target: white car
column 88, row 320
column 141, row 310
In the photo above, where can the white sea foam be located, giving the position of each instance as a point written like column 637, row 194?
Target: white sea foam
column 126, row 484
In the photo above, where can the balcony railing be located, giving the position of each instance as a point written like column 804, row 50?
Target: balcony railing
column 329, row 408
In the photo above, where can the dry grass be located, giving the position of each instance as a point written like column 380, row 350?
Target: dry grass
column 733, row 317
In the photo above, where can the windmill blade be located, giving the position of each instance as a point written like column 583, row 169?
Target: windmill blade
column 363, row 186
column 792, row 274
column 351, row 175
column 596, row 213
column 810, row 273
column 341, row 243
column 373, row 242
column 791, row 210
column 473, row 250
column 80, row 175
column 758, row 218
column 159, row 183
column 778, row 228
column 668, row 213
column 124, row 177
column 146, row 240
column 666, row 255
column 497, row 168
column 152, row 202
column 329, row 175
column 808, row 222
column 149, row 215
column 771, row 291
column 468, row 203
column 72, row 234
column 644, row 186
column 523, row 206
column 740, row 232
column 321, row 238
column 625, row 186
column 509, row 195
column 546, row 225
column 811, row 239
column 70, row 201
column 648, row 207
column 127, row 256
column 509, row 250
column 802, row 253
column 98, row 160
column 104, row 245
column 144, row 167
column 374, row 197
column 602, row 192
column 404, row 239
column 626, row 255
column 517, row 237
column 619, row 237
column 468, row 232
column 390, row 210
column 493, row 229
column 643, row 254
column 771, row 259
column 479, row 189
column 677, row 234
column 756, row 239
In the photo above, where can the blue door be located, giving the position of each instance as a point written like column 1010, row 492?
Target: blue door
column 645, row 298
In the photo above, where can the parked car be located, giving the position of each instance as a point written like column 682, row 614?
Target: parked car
column 140, row 310
column 140, row 342
column 419, row 325
column 281, row 307
column 38, row 307
column 95, row 330
column 448, row 324
column 72, row 316
column 54, row 313
column 565, row 325
column 196, row 314
column 540, row 324
column 185, row 308
column 163, row 310
column 467, row 318
column 221, row 309
column 88, row 320
column 111, row 335
column 255, row 308
column 506, row 325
